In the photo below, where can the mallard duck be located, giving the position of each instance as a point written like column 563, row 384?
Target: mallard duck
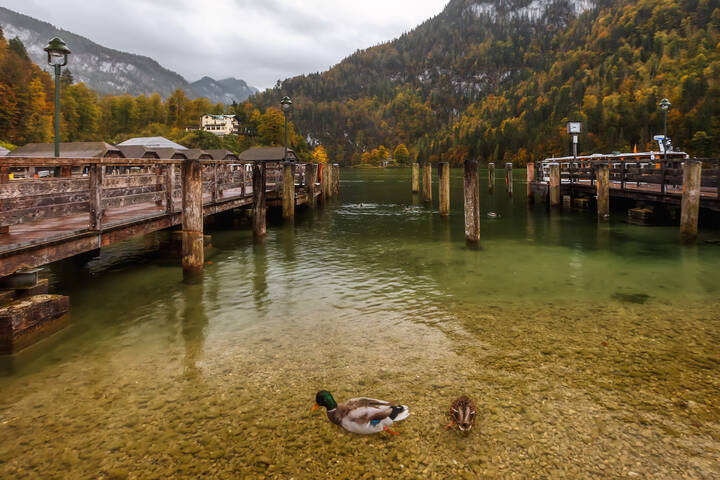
column 361, row 415
column 462, row 412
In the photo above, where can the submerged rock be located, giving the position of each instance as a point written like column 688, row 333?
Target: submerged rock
column 638, row 298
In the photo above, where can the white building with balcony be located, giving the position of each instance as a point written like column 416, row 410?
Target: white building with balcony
column 219, row 124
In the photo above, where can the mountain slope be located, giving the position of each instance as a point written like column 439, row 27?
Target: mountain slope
column 111, row 71
column 497, row 80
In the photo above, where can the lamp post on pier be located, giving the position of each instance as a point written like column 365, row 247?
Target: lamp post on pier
column 665, row 106
column 286, row 104
column 57, row 53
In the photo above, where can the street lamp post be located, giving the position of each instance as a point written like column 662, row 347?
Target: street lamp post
column 665, row 106
column 57, row 53
column 286, row 104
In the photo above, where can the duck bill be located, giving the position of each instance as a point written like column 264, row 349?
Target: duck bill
column 315, row 407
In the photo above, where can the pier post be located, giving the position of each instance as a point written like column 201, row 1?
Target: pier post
column 554, row 186
column 4, row 178
column 690, row 210
column 602, row 173
column 427, row 182
column 327, row 180
column 97, row 172
column 472, row 201
column 170, row 188
column 415, row 177
column 288, row 191
column 193, row 256
column 259, row 186
column 509, row 178
column 491, row 177
column 310, row 178
column 444, row 188
column 336, row 179
column 530, row 180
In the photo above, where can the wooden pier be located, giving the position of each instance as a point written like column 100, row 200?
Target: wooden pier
column 97, row 202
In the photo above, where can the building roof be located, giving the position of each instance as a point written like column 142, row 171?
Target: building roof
column 222, row 154
column 266, row 154
column 219, row 117
column 170, row 153
column 196, row 154
column 138, row 151
column 3, row 151
column 152, row 142
column 67, row 150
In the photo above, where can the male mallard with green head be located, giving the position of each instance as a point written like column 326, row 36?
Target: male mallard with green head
column 361, row 415
column 462, row 412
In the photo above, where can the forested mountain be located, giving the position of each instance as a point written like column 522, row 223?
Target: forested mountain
column 112, row 72
column 497, row 80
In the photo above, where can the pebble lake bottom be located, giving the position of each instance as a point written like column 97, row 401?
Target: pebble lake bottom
column 591, row 351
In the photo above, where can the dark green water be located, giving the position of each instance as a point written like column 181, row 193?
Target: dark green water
column 590, row 350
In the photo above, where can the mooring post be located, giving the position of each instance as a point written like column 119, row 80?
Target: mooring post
column 288, row 191
column 444, row 188
column 336, row 179
column 193, row 256
column 602, row 173
column 327, row 180
column 692, row 175
column 427, row 182
column 472, row 201
column 310, row 178
column 259, row 186
column 491, row 177
column 415, row 177
column 530, row 179
column 4, row 178
column 170, row 188
column 97, row 172
column 554, row 184
column 509, row 178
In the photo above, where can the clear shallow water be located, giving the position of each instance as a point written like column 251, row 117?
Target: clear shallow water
column 376, row 295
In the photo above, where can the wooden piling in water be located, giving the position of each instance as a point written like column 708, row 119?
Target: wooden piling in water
column 554, row 187
column 491, row 177
column 427, row 182
column 193, row 257
column 530, row 179
column 690, row 209
column 509, row 178
column 444, row 188
column 259, row 185
column 602, row 175
column 336, row 179
column 310, row 179
column 4, row 178
column 288, row 191
column 327, row 181
column 471, row 186
column 415, row 177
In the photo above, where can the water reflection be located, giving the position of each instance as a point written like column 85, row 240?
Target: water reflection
column 194, row 327
column 259, row 277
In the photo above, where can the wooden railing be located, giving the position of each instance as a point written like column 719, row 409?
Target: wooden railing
column 30, row 191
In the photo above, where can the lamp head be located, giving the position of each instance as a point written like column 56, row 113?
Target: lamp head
column 57, row 52
column 665, row 104
column 286, row 103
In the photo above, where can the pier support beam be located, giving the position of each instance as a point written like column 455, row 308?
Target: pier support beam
column 327, row 180
column 509, row 178
column 471, row 186
column 336, row 179
column 288, row 191
column 554, row 185
column 444, row 188
column 530, row 180
column 4, row 178
column 259, row 186
column 415, row 177
column 427, row 182
column 491, row 177
column 602, row 174
column 310, row 178
column 193, row 257
column 28, row 320
column 690, row 210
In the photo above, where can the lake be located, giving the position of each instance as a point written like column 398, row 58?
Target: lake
column 590, row 350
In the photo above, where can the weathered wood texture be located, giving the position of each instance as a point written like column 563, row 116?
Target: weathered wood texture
column 288, row 195
column 427, row 182
column 690, row 209
column 336, row 179
column 491, row 177
column 509, row 178
column 444, row 188
column 193, row 257
column 415, row 180
column 471, row 186
column 25, row 321
column 530, row 179
column 259, row 184
column 554, row 185
column 602, row 174
column 310, row 183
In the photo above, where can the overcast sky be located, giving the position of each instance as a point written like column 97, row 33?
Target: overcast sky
column 259, row 41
